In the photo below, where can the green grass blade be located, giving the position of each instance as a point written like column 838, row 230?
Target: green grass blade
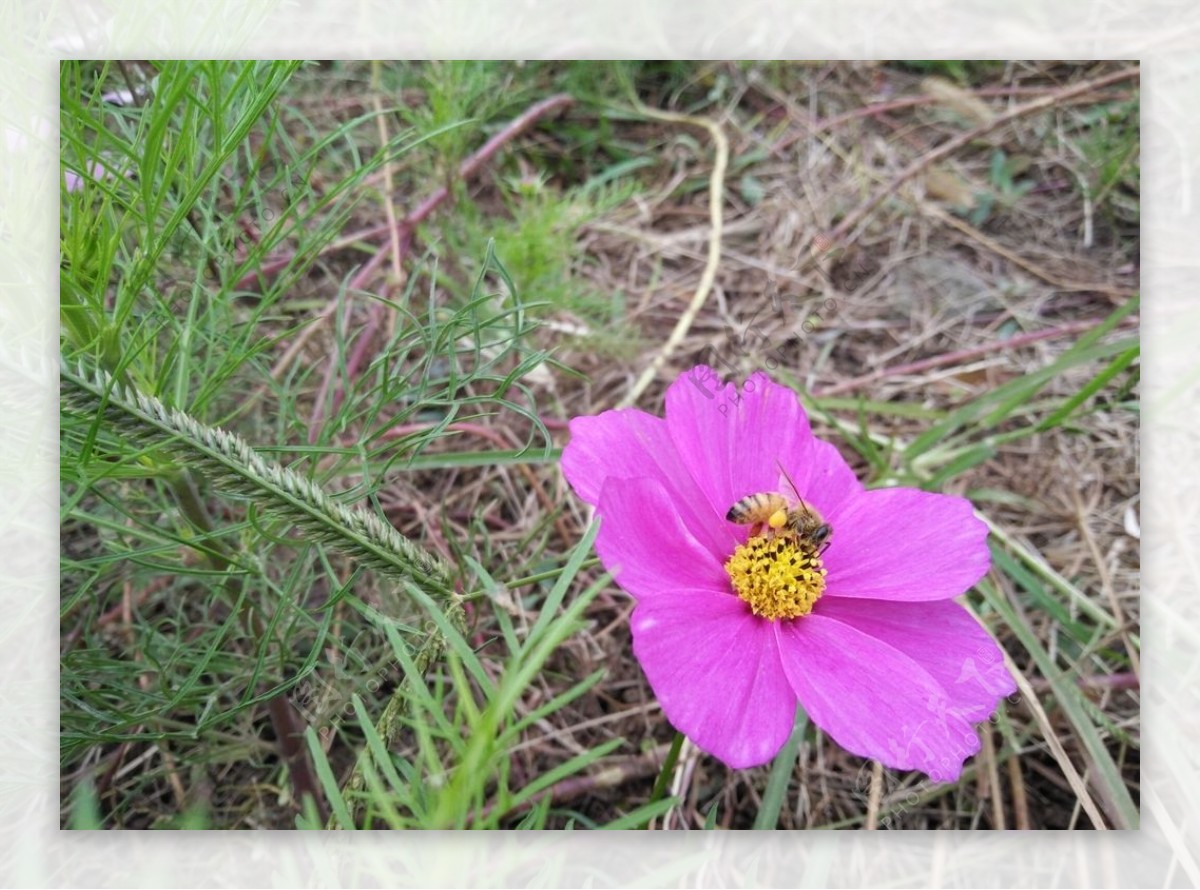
column 230, row 462
column 1116, row 799
column 642, row 816
column 328, row 783
column 782, row 770
column 1093, row 386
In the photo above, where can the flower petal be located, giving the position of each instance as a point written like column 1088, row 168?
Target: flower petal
column 734, row 441
column 715, row 669
column 645, row 545
column 943, row 638
column 612, row 443
column 824, row 481
column 629, row 443
column 886, row 664
column 874, row 700
column 905, row 544
column 700, row 416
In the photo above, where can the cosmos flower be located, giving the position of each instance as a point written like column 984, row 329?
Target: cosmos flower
column 736, row 623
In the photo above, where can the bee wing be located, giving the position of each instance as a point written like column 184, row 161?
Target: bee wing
column 792, row 485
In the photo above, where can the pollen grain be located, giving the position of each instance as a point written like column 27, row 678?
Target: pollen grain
column 780, row 576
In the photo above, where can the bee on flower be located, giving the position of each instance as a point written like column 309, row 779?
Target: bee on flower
column 766, row 576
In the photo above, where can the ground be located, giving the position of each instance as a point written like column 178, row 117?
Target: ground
column 942, row 259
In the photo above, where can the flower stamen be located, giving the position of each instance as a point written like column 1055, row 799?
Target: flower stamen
column 778, row 574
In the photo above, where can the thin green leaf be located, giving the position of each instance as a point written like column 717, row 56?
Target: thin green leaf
column 328, row 783
column 782, row 770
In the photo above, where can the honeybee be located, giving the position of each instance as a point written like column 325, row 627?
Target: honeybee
column 773, row 510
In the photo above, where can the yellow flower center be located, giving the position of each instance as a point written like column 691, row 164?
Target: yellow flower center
column 779, row 575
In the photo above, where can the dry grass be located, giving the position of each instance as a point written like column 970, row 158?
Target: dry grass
column 918, row 284
column 913, row 309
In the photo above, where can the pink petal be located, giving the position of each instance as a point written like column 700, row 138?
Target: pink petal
column 943, row 638
column 613, row 443
column 647, row 548
column 905, row 544
column 715, row 669
column 886, row 664
column 699, row 416
column 732, row 442
column 874, row 700
column 628, row 444
column 824, row 481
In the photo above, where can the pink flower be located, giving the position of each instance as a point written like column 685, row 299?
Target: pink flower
column 733, row 629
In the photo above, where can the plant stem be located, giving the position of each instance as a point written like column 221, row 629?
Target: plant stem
column 285, row 722
column 664, row 777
